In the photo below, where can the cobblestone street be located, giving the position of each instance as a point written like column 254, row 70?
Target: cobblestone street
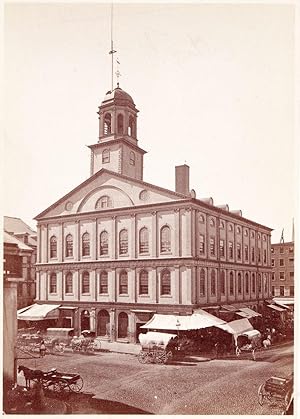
column 193, row 386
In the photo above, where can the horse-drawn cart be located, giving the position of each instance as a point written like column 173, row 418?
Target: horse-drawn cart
column 157, row 347
column 249, row 341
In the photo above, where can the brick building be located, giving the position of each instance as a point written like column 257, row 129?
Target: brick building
column 282, row 269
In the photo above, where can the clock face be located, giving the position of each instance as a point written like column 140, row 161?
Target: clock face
column 69, row 206
column 144, row 195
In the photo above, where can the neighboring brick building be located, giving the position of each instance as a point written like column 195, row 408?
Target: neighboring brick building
column 20, row 248
column 116, row 249
column 282, row 269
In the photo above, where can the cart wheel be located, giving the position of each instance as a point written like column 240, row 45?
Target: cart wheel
column 161, row 358
column 261, row 394
column 60, row 386
column 287, row 399
column 143, row 357
column 76, row 387
column 237, row 351
column 169, row 355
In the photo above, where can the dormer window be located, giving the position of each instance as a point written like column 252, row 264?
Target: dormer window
column 120, row 124
column 132, row 158
column 105, row 156
column 107, row 124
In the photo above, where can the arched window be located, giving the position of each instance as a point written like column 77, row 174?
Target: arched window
column 131, row 127
column 239, row 283
column 213, row 283
column 132, row 158
column 53, row 247
column 165, row 239
column 69, row 245
column 165, row 282
column 222, row 282
column 231, row 284
column 123, row 242
column 123, row 283
column 253, row 283
column 120, row 124
column 105, row 156
column 143, row 283
column 69, row 283
column 85, row 244
column 103, row 286
column 53, row 284
column 202, row 283
column 103, row 325
column 107, row 124
column 104, row 243
column 144, row 240
column 85, row 283
column 247, row 283
column 103, row 202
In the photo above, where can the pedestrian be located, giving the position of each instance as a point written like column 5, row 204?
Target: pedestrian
column 42, row 349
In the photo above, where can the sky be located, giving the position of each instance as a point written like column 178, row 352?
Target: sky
column 214, row 84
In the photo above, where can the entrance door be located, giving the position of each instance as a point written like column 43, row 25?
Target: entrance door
column 103, row 323
column 123, row 325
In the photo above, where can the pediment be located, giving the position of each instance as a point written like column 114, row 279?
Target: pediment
column 108, row 190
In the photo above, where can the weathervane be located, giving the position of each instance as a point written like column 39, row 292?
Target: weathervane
column 112, row 51
column 118, row 73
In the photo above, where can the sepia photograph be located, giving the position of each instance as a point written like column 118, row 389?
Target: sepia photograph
column 149, row 208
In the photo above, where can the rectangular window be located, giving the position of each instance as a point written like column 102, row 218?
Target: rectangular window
column 292, row 275
column 281, row 250
column 265, row 256
column 291, row 261
column 230, row 247
column 212, row 246
column 281, row 290
column 292, row 291
column 273, row 276
column 238, row 251
column 246, row 251
column 273, row 291
column 252, row 254
column 281, row 262
column 201, row 244
column 281, row 275
column 222, row 249
column 273, row 262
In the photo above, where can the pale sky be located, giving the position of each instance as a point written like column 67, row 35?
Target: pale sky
column 214, row 84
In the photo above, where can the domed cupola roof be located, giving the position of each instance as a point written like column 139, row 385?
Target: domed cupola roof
column 118, row 96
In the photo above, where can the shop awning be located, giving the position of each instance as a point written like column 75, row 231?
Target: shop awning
column 38, row 312
column 199, row 320
column 236, row 327
column 284, row 303
column 156, row 338
column 248, row 313
column 229, row 308
column 67, row 308
column 276, row 308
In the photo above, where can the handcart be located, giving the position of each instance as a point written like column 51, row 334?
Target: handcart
column 249, row 341
column 278, row 390
column 157, row 347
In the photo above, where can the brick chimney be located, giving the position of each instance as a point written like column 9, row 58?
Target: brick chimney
column 182, row 179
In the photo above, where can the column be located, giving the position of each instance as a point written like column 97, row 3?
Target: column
column 78, row 240
column 114, row 237
column 154, row 234
column 133, row 236
column 62, row 243
column 177, row 233
column 112, row 322
column 93, row 319
column 96, row 241
column 47, row 244
column 193, row 233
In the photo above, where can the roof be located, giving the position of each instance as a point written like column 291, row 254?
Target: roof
column 199, row 320
column 248, row 313
column 37, row 312
column 276, row 308
column 16, row 225
column 117, row 94
column 8, row 238
column 236, row 327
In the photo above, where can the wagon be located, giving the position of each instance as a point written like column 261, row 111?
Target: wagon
column 82, row 344
column 276, row 390
column 58, row 382
column 157, row 347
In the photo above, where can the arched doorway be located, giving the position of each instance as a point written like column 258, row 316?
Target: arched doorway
column 85, row 320
column 103, row 323
column 122, row 325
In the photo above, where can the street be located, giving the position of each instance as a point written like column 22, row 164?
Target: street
column 191, row 386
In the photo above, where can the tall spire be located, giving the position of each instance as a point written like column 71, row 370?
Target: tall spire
column 112, row 51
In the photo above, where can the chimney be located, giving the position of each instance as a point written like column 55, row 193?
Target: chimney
column 182, row 179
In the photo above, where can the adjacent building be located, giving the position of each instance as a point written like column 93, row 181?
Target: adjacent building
column 116, row 249
column 20, row 249
column 282, row 269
